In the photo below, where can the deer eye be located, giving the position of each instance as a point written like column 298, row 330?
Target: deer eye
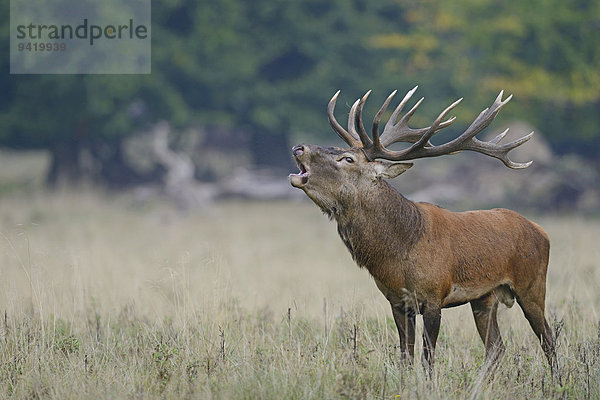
column 349, row 160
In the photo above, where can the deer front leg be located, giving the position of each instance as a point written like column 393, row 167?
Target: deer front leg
column 405, row 322
column 432, row 315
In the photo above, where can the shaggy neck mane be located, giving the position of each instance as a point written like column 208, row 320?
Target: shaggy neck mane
column 379, row 226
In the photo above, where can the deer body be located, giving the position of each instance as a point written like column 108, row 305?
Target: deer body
column 478, row 255
column 422, row 257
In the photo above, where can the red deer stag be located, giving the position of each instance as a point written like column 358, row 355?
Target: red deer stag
column 422, row 257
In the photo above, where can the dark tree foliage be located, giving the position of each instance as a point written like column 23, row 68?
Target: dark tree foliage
column 268, row 67
column 546, row 53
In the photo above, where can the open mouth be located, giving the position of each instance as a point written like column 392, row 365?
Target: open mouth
column 301, row 178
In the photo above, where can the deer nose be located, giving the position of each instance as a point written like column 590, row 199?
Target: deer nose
column 298, row 150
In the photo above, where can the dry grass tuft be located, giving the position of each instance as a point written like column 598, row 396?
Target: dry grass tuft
column 105, row 298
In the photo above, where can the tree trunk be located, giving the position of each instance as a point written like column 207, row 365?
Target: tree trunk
column 114, row 170
column 111, row 168
column 64, row 165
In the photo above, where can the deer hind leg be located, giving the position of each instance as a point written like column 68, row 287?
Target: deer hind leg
column 533, row 308
column 432, row 316
column 405, row 322
column 485, row 312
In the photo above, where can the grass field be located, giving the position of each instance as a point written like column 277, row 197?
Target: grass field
column 101, row 297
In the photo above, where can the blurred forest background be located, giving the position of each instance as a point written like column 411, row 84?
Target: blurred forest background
column 235, row 83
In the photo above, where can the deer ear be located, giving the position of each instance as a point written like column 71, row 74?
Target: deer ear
column 391, row 170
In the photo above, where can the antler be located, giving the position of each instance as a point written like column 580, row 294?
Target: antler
column 398, row 131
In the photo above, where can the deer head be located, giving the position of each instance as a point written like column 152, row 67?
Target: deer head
column 332, row 176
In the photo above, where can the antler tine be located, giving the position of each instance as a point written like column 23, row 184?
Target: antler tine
column 398, row 110
column 446, row 123
column 409, row 114
column 400, row 131
column 499, row 137
column 491, row 148
column 357, row 123
column 512, row 145
column 342, row 133
column 422, row 141
column 377, row 118
column 435, row 127
column 483, row 120
column 352, row 118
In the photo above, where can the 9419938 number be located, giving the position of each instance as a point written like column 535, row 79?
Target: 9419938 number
column 35, row 46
